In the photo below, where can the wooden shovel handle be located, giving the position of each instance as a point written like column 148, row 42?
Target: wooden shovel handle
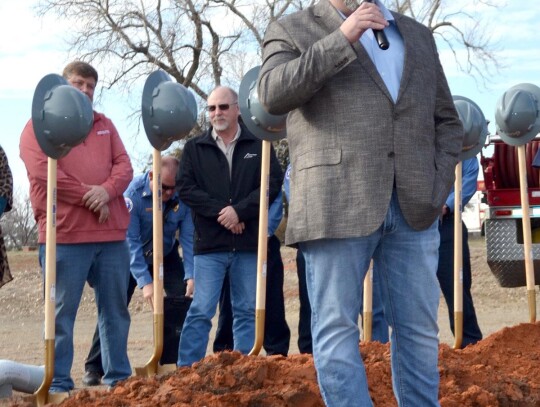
column 262, row 253
column 42, row 393
column 152, row 366
column 527, row 241
column 458, row 259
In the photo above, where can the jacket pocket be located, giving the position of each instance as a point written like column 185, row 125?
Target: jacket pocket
column 317, row 158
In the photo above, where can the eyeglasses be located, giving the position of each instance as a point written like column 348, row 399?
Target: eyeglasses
column 223, row 107
column 167, row 187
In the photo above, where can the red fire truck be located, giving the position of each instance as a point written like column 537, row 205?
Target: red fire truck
column 503, row 219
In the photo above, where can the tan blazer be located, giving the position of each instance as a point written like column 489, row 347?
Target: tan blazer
column 348, row 141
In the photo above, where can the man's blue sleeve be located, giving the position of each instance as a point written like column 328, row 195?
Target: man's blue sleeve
column 138, row 266
column 275, row 213
column 470, row 179
column 187, row 231
column 286, row 182
column 469, row 172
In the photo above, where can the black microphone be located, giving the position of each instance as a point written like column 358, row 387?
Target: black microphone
column 380, row 36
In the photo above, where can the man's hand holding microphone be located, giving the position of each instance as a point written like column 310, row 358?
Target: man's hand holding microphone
column 364, row 16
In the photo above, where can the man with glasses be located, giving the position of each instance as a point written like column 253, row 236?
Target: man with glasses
column 219, row 178
column 176, row 218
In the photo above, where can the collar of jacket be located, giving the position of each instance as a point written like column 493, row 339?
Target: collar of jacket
column 245, row 135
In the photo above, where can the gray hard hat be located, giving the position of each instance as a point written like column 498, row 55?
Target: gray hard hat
column 169, row 110
column 62, row 116
column 475, row 128
column 517, row 114
column 262, row 124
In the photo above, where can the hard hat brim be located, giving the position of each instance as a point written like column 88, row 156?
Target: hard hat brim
column 45, row 85
column 169, row 110
column 152, row 82
column 249, row 81
column 55, row 100
column 474, row 150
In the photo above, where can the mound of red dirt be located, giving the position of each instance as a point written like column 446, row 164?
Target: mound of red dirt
column 501, row 370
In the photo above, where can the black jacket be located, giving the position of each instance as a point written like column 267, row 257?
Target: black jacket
column 205, row 186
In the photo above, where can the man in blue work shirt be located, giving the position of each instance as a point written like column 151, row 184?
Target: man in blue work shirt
column 177, row 277
column 445, row 271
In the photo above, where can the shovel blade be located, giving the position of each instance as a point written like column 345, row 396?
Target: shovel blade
column 40, row 399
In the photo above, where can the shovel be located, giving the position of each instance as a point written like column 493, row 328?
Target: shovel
column 458, row 259
column 527, row 242
column 262, row 253
column 367, row 314
column 42, row 395
column 152, row 367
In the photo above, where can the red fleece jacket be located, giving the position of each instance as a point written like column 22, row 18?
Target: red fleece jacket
column 100, row 160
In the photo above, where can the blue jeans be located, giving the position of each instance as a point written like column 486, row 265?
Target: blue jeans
column 277, row 334
column 106, row 268
column 209, row 272
column 174, row 287
column 379, row 326
column 406, row 261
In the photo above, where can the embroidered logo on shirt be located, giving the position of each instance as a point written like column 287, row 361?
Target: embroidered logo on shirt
column 249, row 155
column 103, row 132
column 129, row 203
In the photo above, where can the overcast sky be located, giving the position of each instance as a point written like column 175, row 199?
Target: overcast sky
column 32, row 47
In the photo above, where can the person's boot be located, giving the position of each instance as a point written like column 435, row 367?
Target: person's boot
column 91, row 378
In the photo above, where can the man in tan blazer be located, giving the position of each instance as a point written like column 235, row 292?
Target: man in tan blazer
column 374, row 139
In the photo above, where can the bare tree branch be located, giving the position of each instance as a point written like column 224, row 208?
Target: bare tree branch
column 204, row 43
column 18, row 225
column 457, row 29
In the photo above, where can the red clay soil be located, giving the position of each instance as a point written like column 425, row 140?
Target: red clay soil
column 502, row 370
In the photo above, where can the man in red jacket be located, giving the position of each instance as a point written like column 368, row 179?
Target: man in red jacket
column 91, row 224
